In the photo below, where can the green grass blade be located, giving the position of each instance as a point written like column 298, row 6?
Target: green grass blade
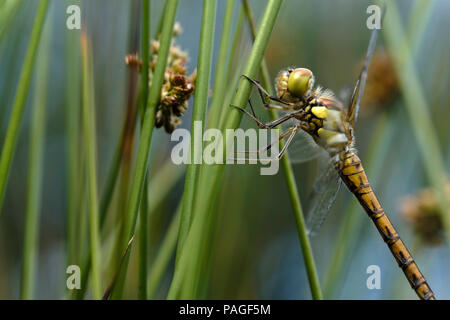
column 35, row 167
column 73, row 93
column 20, row 100
column 221, row 68
column 88, row 119
column 164, row 255
column 308, row 256
column 143, row 218
column 231, row 59
column 198, row 114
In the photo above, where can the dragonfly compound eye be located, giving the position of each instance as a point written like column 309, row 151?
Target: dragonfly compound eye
column 300, row 82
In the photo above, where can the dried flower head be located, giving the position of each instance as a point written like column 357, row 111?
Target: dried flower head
column 422, row 211
column 382, row 82
column 177, row 85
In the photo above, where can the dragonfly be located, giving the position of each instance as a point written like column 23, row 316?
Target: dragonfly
column 314, row 121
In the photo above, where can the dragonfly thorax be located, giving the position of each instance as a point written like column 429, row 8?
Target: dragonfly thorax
column 324, row 119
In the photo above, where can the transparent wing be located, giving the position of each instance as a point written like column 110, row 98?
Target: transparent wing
column 355, row 101
column 324, row 194
column 303, row 148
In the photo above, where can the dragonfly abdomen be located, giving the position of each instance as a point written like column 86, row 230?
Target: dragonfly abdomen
column 353, row 174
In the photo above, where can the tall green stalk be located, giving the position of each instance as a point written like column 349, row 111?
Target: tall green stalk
column 165, row 253
column 308, row 256
column 72, row 104
column 88, row 119
column 35, row 167
column 191, row 260
column 198, row 115
column 231, row 60
column 20, row 99
column 220, row 77
column 143, row 218
column 146, row 133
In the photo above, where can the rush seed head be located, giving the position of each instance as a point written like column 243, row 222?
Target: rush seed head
column 177, row 85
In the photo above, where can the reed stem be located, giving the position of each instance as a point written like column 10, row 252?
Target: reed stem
column 36, row 167
column 143, row 218
column 198, row 115
column 88, row 118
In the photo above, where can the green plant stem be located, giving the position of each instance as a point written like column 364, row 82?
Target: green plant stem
column 232, row 58
column 217, row 103
column 20, row 100
column 72, row 51
column 221, row 68
column 198, row 115
column 417, row 109
column 308, row 256
column 161, row 21
column 35, row 165
column 146, row 133
column 88, row 116
column 190, row 258
column 143, row 218
column 164, row 255
column 132, row 107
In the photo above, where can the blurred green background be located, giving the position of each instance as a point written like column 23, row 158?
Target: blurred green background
column 254, row 252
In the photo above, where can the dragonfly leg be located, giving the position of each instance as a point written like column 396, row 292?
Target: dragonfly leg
column 286, row 145
column 251, row 107
column 276, row 107
column 268, row 106
column 268, row 125
column 287, row 133
column 268, row 147
column 264, row 94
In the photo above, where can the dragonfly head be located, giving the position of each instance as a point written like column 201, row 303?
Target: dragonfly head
column 300, row 82
column 294, row 84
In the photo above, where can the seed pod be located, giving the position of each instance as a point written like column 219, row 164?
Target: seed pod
column 422, row 211
column 177, row 87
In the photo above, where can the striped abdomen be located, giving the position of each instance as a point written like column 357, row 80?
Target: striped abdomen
column 352, row 173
